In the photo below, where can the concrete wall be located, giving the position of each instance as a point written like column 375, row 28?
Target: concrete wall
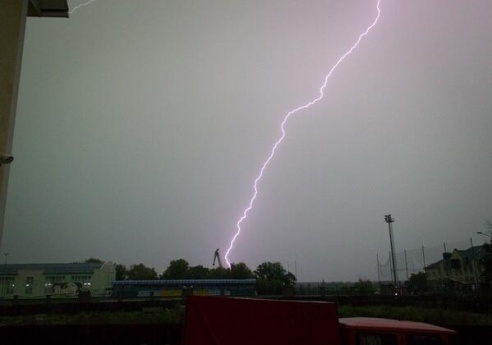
column 13, row 15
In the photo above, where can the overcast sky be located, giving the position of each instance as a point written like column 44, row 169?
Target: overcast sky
column 141, row 126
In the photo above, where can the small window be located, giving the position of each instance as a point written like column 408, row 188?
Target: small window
column 423, row 340
column 376, row 339
column 29, row 285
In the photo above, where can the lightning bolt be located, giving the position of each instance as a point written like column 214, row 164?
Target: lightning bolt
column 282, row 128
column 79, row 6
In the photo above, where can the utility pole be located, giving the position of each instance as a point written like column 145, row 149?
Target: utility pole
column 379, row 276
column 388, row 219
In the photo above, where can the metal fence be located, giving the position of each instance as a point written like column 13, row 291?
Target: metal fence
column 413, row 261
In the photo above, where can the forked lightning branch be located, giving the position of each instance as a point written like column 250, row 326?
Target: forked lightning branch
column 283, row 132
column 282, row 125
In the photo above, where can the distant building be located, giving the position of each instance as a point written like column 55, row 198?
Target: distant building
column 183, row 287
column 458, row 271
column 56, row 280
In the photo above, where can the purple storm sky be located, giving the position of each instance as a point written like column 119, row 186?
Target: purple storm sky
column 141, row 127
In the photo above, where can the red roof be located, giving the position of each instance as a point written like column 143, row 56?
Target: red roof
column 391, row 325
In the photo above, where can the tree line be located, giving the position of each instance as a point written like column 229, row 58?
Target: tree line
column 271, row 277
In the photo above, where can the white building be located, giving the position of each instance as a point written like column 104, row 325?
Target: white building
column 56, row 280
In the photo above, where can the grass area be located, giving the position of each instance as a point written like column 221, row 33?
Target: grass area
column 429, row 315
column 149, row 316
column 175, row 315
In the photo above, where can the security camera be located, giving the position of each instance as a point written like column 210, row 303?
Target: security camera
column 5, row 158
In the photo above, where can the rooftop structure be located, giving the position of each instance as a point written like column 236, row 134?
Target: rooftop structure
column 48, row 8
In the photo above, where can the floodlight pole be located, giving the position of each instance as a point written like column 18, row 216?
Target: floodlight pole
column 388, row 219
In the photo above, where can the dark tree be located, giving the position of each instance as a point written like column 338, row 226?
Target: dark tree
column 177, row 269
column 93, row 261
column 272, row 278
column 290, row 280
column 364, row 287
column 486, row 275
column 197, row 272
column 270, row 271
column 219, row 273
column 121, row 272
column 417, row 283
column 141, row 272
column 241, row 271
column 487, row 263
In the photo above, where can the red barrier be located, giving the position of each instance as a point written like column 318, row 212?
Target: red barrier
column 241, row 321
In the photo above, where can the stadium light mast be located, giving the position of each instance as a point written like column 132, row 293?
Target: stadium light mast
column 388, row 219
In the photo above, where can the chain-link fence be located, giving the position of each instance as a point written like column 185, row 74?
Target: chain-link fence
column 413, row 261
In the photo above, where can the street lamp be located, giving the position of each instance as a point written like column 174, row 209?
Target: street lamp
column 481, row 233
